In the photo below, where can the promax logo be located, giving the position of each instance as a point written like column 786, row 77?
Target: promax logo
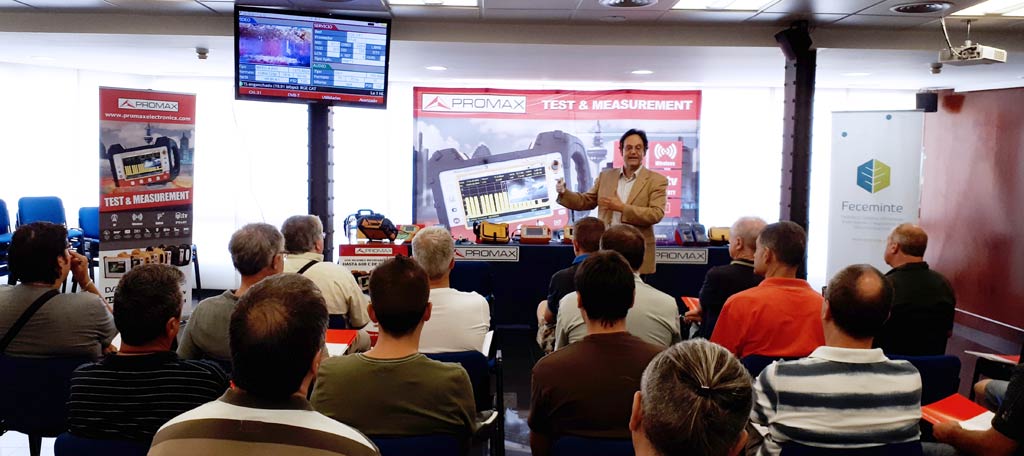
column 483, row 253
column 873, row 176
column 681, row 256
column 434, row 102
column 147, row 105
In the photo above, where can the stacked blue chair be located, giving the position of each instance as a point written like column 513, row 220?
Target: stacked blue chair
column 71, row 445
column 585, row 446
column 34, row 394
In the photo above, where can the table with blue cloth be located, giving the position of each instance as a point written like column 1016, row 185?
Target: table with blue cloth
column 516, row 276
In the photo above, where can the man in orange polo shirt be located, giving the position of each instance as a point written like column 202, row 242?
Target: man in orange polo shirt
column 781, row 316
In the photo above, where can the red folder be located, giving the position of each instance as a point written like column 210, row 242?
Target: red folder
column 691, row 302
column 952, row 408
column 341, row 336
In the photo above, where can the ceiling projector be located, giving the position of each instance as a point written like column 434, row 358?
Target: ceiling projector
column 972, row 54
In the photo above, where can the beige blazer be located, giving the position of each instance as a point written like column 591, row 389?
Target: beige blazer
column 644, row 207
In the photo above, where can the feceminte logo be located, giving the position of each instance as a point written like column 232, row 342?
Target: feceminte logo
column 873, row 176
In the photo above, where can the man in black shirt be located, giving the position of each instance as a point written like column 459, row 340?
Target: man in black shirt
column 1007, row 431
column 721, row 282
column 129, row 395
column 924, row 303
column 586, row 239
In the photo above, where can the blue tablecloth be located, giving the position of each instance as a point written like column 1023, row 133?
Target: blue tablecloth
column 517, row 276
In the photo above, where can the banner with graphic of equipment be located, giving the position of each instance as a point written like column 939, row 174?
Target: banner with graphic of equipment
column 147, row 147
column 495, row 154
column 875, row 183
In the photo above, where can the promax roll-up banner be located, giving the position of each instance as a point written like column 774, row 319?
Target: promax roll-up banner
column 147, row 145
column 875, row 183
column 495, row 154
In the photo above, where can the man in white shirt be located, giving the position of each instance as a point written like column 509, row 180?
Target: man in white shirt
column 304, row 247
column 654, row 316
column 459, row 320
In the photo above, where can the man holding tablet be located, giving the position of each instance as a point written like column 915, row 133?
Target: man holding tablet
column 631, row 195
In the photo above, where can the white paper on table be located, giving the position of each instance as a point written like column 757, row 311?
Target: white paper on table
column 982, row 422
column 989, row 356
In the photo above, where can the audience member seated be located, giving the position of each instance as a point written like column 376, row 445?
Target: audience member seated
column 923, row 309
column 458, row 320
column 721, row 282
column 716, row 390
column 1006, row 434
column 781, row 316
column 991, row 393
column 586, row 240
column 845, row 394
column 304, row 244
column 277, row 334
column 257, row 251
column 67, row 324
column 586, row 389
column 393, row 390
column 654, row 316
column 129, row 395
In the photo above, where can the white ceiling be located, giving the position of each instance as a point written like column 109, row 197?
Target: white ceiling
column 551, row 42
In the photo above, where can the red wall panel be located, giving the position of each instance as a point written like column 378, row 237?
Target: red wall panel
column 972, row 200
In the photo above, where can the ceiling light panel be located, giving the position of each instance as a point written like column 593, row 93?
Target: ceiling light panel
column 723, row 5
column 463, row 3
column 991, row 7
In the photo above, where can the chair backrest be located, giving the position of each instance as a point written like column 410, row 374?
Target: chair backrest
column 89, row 222
column 756, row 363
column 475, row 364
column 5, row 218
column 892, row 449
column 940, row 375
column 584, row 446
column 34, row 393
column 426, row 445
column 41, row 209
column 68, row 444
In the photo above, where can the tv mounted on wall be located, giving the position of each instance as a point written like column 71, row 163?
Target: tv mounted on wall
column 305, row 57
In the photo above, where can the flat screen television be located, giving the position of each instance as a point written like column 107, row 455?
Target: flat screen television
column 306, row 57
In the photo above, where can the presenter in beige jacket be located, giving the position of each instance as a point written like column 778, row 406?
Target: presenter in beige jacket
column 631, row 195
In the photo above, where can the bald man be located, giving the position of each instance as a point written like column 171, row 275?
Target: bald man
column 924, row 303
column 721, row 282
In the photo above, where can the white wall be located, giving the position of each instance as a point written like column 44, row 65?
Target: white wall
column 251, row 156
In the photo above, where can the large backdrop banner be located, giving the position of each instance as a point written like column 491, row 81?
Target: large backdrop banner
column 875, row 183
column 146, row 160
column 495, row 154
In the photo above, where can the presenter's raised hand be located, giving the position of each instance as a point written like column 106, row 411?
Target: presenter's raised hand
column 560, row 186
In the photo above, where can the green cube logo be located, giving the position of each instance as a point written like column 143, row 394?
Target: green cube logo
column 873, row 176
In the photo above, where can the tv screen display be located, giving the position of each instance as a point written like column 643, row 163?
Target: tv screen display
column 305, row 57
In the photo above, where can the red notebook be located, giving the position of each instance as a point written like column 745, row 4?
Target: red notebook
column 341, row 336
column 952, row 408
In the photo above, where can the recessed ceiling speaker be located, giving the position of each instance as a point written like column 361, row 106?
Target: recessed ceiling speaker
column 928, row 101
column 921, row 7
column 628, row 3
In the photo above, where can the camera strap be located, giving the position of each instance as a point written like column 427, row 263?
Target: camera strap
column 24, row 318
column 307, row 266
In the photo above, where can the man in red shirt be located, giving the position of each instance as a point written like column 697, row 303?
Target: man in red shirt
column 781, row 316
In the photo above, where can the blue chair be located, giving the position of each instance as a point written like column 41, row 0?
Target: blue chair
column 585, row 446
column 44, row 209
column 480, row 370
column 756, row 363
column 71, row 445
column 892, row 449
column 89, row 245
column 940, row 375
column 5, row 237
column 34, row 394
column 425, row 445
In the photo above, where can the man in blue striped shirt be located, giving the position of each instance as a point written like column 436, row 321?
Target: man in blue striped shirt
column 845, row 394
column 129, row 395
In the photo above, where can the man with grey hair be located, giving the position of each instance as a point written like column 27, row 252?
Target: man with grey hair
column 721, row 282
column 460, row 320
column 257, row 251
column 304, row 247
